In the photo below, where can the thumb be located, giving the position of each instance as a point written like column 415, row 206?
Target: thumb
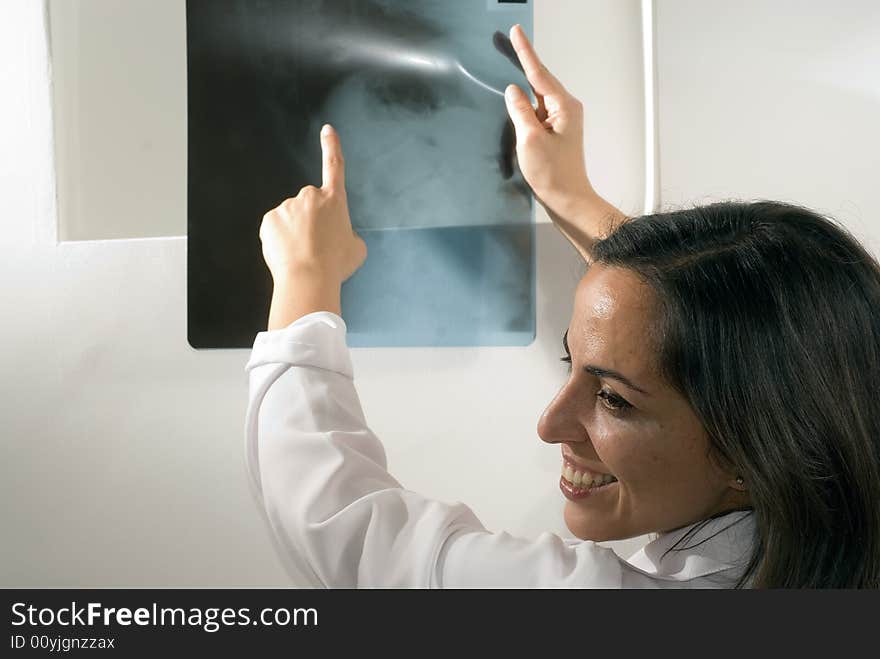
column 520, row 109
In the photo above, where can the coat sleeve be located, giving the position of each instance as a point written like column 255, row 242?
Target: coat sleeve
column 339, row 519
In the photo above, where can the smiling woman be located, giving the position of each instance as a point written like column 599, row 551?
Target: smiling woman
column 723, row 395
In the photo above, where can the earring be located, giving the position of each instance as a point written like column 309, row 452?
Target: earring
column 740, row 480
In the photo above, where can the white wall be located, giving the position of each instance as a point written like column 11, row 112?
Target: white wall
column 122, row 457
column 778, row 100
column 121, row 452
column 120, row 117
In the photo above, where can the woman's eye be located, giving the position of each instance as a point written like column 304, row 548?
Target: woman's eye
column 609, row 399
column 612, row 401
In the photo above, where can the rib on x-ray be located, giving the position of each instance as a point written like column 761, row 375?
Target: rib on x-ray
column 415, row 90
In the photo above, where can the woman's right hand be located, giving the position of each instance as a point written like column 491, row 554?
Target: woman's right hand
column 549, row 140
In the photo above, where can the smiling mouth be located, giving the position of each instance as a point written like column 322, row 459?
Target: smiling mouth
column 577, row 482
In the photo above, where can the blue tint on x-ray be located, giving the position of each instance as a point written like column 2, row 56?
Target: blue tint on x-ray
column 415, row 90
column 457, row 286
column 449, row 232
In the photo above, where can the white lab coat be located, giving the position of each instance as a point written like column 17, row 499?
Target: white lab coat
column 339, row 519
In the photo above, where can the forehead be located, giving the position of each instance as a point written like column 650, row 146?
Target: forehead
column 612, row 321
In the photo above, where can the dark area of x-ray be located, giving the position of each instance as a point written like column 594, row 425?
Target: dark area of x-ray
column 414, row 88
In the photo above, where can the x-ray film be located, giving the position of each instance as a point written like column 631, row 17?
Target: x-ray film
column 415, row 90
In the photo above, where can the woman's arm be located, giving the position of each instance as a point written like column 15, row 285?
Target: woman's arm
column 585, row 219
column 296, row 294
column 337, row 516
column 339, row 519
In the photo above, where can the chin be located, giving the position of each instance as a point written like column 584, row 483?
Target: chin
column 587, row 527
column 581, row 526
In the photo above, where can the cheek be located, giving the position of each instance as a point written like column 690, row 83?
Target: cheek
column 645, row 456
column 672, row 463
column 618, row 446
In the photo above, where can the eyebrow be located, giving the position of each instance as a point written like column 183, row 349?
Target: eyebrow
column 600, row 372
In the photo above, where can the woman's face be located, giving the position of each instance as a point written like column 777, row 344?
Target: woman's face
column 616, row 419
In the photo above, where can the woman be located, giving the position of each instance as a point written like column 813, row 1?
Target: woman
column 723, row 395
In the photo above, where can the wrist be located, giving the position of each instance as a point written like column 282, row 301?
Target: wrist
column 569, row 202
column 584, row 218
column 574, row 205
column 299, row 293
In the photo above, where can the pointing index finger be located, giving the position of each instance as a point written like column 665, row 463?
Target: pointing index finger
column 333, row 163
column 542, row 81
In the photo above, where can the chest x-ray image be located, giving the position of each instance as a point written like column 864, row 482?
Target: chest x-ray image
column 415, row 90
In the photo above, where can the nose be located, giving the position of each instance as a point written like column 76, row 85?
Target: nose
column 563, row 418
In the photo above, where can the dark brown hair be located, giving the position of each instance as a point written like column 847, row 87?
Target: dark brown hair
column 769, row 325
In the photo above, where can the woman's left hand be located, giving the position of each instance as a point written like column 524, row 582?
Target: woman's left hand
column 309, row 244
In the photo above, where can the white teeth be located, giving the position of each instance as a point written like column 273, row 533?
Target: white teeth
column 585, row 479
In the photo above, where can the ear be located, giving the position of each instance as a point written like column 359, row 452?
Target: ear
column 738, row 483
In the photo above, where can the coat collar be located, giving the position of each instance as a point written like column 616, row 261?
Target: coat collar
column 722, row 543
